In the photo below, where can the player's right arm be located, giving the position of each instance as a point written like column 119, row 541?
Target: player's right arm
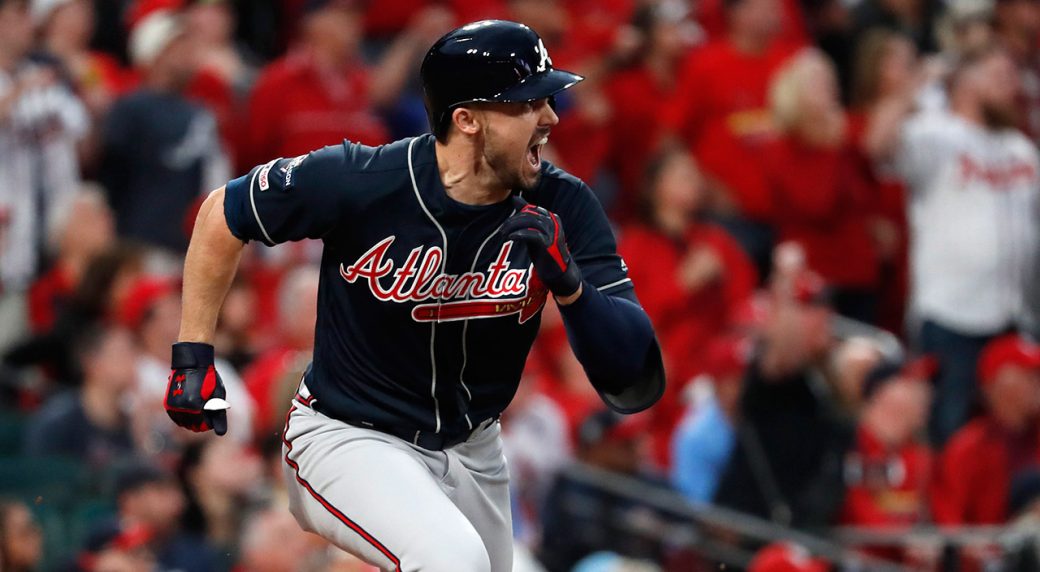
column 209, row 268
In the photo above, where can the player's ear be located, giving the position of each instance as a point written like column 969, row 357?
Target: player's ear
column 467, row 120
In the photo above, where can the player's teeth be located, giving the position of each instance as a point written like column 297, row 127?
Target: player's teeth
column 543, row 140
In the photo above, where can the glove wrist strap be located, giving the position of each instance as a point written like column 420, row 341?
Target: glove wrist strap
column 191, row 355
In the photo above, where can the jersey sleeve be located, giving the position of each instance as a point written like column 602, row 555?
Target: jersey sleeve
column 295, row 198
column 591, row 240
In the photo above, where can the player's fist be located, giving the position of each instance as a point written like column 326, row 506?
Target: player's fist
column 195, row 394
column 542, row 232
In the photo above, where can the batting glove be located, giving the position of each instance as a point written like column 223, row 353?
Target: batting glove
column 194, row 382
column 542, row 232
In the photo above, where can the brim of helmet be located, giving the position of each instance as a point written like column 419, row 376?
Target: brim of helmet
column 539, row 85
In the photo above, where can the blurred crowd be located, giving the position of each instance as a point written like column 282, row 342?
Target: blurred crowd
column 773, row 169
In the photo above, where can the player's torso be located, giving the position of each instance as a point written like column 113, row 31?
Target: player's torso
column 426, row 312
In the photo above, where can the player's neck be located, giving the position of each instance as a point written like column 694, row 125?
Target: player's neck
column 467, row 177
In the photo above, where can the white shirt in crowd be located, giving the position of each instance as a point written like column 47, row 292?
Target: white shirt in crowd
column 38, row 168
column 974, row 196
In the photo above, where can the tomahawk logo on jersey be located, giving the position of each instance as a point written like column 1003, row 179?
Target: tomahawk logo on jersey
column 427, row 310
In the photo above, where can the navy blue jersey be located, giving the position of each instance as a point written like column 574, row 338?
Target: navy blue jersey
column 426, row 313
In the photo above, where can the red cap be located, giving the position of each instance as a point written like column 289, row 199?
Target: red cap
column 783, row 557
column 141, row 297
column 142, row 9
column 1011, row 349
column 726, row 357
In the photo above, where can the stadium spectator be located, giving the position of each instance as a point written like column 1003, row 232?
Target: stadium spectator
column 721, row 113
column 95, row 299
column 915, row 18
column 888, row 471
column 238, row 331
column 606, row 441
column 21, row 539
column 40, row 125
column 636, row 94
column 790, row 444
column 980, row 461
column 321, row 93
column 161, row 151
column 275, row 375
column 704, row 441
column 1017, row 27
column 82, row 229
column 813, row 178
column 692, row 278
column 886, row 77
column 851, row 362
column 64, row 29
column 973, row 182
column 111, row 547
column 273, row 542
column 151, row 310
column 149, row 497
column 218, row 476
column 89, row 423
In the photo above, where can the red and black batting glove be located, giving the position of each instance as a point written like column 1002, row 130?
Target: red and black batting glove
column 542, row 232
column 193, row 382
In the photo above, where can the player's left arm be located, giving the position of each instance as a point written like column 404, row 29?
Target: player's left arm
column 608, row 330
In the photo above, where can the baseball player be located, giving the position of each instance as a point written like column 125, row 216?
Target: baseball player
column 439, row 254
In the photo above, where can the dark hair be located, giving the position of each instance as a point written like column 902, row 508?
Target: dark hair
column 871, row 51
column 91, row 297
column 970, row 59
column 655, row 167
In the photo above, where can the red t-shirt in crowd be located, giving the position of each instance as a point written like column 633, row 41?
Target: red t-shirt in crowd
column 635, row 126
column 975, row 471
column 885, row 487
column 711, row 15
column 686, row 322
column 296, row 109
column 823, row 205
column 721, row 112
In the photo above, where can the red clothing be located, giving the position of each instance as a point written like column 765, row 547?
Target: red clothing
column 686, row 322
column 711, row 15
column 975, row 471
column 46, row 297
column 635, row 127
column 582, row 144
column 263, row 379
column 823, row 205
column 720, row 111
column 885, row 487
column 889, row 205
column 294, row 109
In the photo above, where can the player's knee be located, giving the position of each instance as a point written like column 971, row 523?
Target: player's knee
column 459, row 552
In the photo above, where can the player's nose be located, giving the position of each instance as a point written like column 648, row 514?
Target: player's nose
column 548, row 117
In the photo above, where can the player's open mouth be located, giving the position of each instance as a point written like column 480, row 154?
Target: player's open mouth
column 534, row 152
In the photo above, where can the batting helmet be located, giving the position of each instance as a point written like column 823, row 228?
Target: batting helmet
column 490, row 60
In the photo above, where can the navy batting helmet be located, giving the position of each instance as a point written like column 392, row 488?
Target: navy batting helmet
column 491, row 60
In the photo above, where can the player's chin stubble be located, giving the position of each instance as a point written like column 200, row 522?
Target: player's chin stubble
column 504, row 165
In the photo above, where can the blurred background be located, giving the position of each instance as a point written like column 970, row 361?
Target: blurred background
column 829, row 209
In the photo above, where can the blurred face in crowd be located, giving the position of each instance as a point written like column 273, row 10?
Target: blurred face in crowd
column 274, row 543
column 157, row 506
column 992, row 84
column 16, row 29
column 91, row 227
column 759, row 19
column 509, row 136
column 820, row 95
column 162, row 324
column 334, row 30
column 1018, row 17
column 72, row 22
column 22, row 541
column 899, row 410
column 178, row 62
column 898, row 66
column 679, row 187
column 852, row 363
column 1014, row 396
column 226, row 467
column 210, row 22
column 547, row 17
column 113, row 364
